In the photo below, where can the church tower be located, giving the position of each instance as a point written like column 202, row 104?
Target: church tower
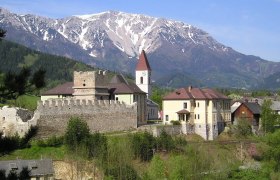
column 143, row 74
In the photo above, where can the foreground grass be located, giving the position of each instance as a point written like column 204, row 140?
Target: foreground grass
column 36, row 152
column 197, row 159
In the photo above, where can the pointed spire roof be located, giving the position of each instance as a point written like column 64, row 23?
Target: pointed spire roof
column 143, row 63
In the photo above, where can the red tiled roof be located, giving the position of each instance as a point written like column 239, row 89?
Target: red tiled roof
column 194, row 93
column 63, row 89
column 143, row 63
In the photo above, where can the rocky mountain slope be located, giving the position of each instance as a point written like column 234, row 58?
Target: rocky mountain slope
column 179, row 53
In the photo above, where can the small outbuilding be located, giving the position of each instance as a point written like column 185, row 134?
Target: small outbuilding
column 249, row 111
column 39, row 169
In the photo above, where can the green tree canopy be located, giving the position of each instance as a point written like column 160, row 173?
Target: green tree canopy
column 268, row 117
column 77, row 133
column 273, row 152
column 143, row 145
column 14, row 85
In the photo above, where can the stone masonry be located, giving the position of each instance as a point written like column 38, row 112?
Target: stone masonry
column 91, row 85
column 14, row 120
column 100, row 115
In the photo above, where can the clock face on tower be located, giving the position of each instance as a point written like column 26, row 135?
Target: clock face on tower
column 143, row 73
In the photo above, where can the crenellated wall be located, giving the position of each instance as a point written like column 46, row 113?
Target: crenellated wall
column 100, row 115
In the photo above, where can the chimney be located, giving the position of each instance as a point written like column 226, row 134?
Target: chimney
column 190, row 88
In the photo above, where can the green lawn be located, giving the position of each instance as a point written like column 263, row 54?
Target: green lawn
column 25, row 101
column 36, row 152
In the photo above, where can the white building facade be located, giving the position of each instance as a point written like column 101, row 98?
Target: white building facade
column 205, row 109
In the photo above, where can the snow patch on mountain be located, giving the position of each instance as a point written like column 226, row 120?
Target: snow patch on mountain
column 130, row 33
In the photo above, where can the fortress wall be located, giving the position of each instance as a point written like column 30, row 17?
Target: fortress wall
column 100, row 115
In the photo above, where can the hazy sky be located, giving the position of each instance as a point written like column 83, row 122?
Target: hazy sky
column 249, row 26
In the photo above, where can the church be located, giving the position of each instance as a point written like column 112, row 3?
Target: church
column 97, row 85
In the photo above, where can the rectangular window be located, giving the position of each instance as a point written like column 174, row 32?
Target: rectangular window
column 195, row 116
column 198, row 104
column 141, row 80
column 166, row 117
column 198, row 116
column 185, row 105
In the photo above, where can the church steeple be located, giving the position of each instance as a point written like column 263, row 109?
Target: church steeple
column 143, row 63
column 143, row 74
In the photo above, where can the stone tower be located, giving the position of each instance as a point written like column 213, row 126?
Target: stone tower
column 91, row 85
column 143, row 74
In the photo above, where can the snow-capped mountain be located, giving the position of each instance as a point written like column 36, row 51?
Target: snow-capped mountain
column 113, row 40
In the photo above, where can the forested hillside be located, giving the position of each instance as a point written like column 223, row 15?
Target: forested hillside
column 14, row 56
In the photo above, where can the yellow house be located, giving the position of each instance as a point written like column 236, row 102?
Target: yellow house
column 206, row 110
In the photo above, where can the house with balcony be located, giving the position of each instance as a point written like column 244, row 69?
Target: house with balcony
column 206, row 110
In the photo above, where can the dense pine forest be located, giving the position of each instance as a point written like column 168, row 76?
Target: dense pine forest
column 13, row 57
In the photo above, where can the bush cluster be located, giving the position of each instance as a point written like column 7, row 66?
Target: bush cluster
column 53, row 141
column 8, row 144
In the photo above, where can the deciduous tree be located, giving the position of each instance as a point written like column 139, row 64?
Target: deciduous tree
column 268, row 117
column 76, row 134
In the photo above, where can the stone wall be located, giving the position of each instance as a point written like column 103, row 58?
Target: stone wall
column 14, row 120
column 155, row 130
column 91, row 85
column 100, row 115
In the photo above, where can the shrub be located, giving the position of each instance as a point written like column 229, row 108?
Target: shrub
column 8, row 144
column 243, row 128
column 52, row 141
column 97, row 146
column 180, row 141
column 41, row 143
column 24, row 142
column 123, row 172
column 175, row 122
column 12, row 175
column 2, row 174
column 24, row 174
column 165, row 141
column 143, row 145
column 77, row 132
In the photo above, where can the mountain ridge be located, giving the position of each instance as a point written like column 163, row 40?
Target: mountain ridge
column 113, row 40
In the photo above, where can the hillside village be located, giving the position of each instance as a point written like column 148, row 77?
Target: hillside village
column 116, row 104
column 104, row 125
